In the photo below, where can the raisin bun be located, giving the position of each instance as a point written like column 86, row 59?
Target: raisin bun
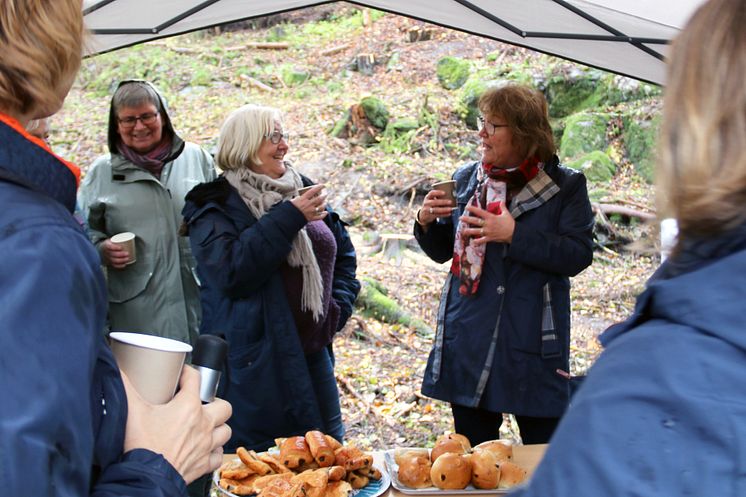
column 414, row 469
column 485, row 469
column 511, row 475
column 401, row 453
column 452, row 442
column 502, row 449
column 451, row 471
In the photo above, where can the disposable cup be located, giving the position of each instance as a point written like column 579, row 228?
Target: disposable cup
column 303, row 190
column 127, row 241
column 153, row 364
column 449, row 188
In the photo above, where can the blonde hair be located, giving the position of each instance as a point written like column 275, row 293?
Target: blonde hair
column 526, row 111
column 701, row 175
column 241, row 136
column 41, row 43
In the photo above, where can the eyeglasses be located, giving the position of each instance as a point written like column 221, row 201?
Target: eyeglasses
column 276, row 136
column 131, row 121
column 489, row 127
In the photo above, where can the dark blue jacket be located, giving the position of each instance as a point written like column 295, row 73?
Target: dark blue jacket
column 64, row 409
column 243, row 298
column 662, row 412
column 500, row 349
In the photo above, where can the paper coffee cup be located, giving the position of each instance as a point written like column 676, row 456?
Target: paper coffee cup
column 303, row 190
column 153, row 364
column 126, row 240
column 449, row 187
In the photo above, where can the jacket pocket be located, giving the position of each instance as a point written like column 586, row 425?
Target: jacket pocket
column 126, row 284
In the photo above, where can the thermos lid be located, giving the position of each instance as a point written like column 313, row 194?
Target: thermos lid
column 210, row 352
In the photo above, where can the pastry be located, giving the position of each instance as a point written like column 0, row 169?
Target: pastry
column 320, row 448
column 503, row 450
column 250, row 459
column 294, row 452
column 414, row 470
column 452, row 442
column 485, row 469
column 511, row 475
column 451, row 471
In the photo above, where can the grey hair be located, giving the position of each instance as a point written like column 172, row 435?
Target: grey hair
column 134, row 94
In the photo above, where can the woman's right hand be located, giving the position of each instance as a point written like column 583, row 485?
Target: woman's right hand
column 114, row 254
column 312, row 204
column 434, row 206
column 188, row 434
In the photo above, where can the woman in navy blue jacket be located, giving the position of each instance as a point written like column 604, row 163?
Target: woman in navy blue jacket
column 521, row 227
column 662, row 412
column 277, row 273
column 69, row 425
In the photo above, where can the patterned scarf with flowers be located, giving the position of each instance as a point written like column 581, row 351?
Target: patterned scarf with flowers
column 494, row 185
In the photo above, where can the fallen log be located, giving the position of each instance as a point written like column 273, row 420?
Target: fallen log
column 268, row 45
column 622, row 211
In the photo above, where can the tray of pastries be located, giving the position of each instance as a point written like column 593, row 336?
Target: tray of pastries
column 453, row 466
column 314, row 465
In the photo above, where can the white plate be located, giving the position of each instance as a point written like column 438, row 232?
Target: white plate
column 393, row 470
column 372, row 489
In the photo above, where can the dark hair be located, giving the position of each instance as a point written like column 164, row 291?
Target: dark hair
column 525, row 111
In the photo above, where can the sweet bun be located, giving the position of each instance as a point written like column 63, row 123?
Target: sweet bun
column 451, row 471
column 414, row 469
column 511, row 475
column 485, row 469
column 400, row 453
column 503, row 450
column 452, row 442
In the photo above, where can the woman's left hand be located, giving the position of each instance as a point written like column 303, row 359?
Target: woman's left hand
column 312, row 204
column 487, row 227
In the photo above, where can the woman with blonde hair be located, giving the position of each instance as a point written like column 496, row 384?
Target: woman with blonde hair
column 662, row 411
column 278, row 280
column 70, row 425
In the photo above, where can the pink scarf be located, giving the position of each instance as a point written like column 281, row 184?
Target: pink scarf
column 152, row 161
column 495, row 185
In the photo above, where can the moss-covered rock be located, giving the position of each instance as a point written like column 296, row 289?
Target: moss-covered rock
column 568, row 91
column 294, row 77
column 375, row 111
column 596, row 165
column 469, row 98
column 340, row 129
column 584, row 133
column 403, row 125
column 640, row 139
column 452, row 72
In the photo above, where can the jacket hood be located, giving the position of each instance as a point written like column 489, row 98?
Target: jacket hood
column 113, row 136
column 703, row 287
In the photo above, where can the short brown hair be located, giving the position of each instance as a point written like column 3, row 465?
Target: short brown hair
column 525, row 110
column 701, row 173
column 41, row 43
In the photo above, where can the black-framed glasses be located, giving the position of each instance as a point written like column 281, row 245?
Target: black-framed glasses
column 131, row 121
column 489, row 127
column 276, row 136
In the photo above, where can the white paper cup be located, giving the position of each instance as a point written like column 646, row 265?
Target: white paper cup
column 127, row 241
column 303, row 190
column 153, row 364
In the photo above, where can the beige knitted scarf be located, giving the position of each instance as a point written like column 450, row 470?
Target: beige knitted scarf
column 260, row 193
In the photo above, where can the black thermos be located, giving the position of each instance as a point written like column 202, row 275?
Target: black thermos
column 208, row 358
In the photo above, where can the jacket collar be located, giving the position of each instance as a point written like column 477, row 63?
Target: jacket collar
column 25, row 160
column 701, row 287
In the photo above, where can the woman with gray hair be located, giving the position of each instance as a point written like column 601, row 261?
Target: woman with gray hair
column 139, row 187
column 278, row 281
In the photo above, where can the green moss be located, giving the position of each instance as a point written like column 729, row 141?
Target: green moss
column 375, row 111
column 294, row 77
column 584, row 132
column 596, row 165
column 569, row 94
column 341, row 125
column 452, row 72
column 640, row 138
column 403, row 125
column 375, row 303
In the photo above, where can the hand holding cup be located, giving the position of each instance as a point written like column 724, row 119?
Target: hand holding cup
column 119, row 250
column 439, row 202
column 311, row 202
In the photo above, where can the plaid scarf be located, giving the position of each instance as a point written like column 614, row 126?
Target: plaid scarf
column 494, row 185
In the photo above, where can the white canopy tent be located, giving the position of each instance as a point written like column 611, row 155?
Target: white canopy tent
column 628, row 37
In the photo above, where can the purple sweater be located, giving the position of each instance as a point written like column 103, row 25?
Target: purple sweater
column 314, row 336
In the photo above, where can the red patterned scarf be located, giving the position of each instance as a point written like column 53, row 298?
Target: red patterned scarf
column 495, row 185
